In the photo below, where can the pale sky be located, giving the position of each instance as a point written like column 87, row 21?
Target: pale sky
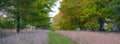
column 55, row 9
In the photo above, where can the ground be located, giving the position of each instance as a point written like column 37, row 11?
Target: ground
column 27, row 37
column 86, row 37
column 56, row 38
column 82, row 37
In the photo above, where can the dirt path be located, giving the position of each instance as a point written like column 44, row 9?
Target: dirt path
column 27, row 37
column 85, row 37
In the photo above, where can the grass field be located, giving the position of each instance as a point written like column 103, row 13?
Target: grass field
column 55, row 38
column 5, row 32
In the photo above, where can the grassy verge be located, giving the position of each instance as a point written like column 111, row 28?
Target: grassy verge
column 4, row 33
column 55, row 38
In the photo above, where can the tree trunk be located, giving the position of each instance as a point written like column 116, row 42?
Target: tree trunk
column 101, row 21
column 115, row 28
column 18, row 24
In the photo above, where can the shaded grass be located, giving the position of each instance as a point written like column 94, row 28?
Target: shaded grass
column 55, row 38
column 4, row 32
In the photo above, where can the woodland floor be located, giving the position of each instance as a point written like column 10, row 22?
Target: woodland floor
column 27, row 37
column 87, row 37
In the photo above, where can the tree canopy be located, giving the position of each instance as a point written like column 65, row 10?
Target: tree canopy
column 28, row 12
column 87, row 14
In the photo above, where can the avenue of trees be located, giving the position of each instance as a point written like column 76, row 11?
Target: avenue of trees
column 96, row 15
column 21, row 14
